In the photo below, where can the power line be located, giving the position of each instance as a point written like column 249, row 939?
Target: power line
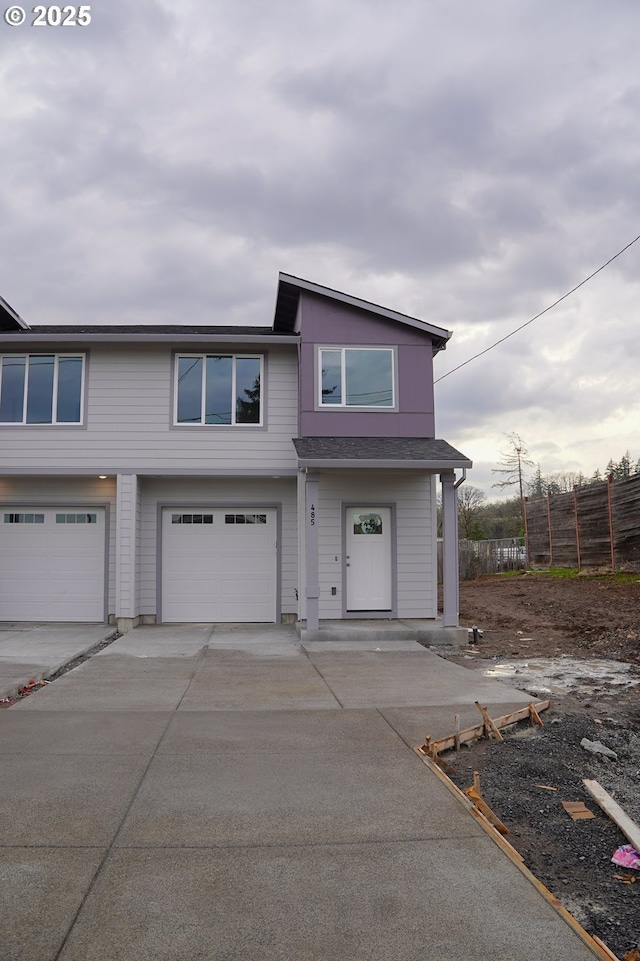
column 550, row 307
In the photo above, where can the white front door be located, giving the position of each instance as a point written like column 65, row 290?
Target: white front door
column 368, row 543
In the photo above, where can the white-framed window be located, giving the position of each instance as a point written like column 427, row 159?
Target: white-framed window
column 76, row 518
column 192, row 518
column 218, row 389
column 41, row 388
column 356, row 377
column 24, row 518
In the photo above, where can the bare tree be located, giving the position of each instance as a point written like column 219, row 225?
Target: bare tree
column 514, row 460
column 470, row 500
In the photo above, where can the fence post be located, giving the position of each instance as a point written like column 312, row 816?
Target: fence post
column 549, row 528
column 575, row 511
column 613, row 557
column 526, row 530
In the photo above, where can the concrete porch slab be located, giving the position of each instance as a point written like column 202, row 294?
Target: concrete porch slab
column 423, row 631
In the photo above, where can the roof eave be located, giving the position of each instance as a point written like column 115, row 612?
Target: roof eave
column 369, row 463
column 174, row 338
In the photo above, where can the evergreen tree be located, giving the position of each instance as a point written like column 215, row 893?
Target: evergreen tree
column 537, row 488
column 248, row 411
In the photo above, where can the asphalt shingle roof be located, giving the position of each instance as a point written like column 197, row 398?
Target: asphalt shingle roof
column 423, row 449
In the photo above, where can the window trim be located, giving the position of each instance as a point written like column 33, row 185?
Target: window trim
column 235, row 355
column 343, row 406
column 57, row 355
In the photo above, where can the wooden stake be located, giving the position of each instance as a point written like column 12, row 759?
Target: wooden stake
column 473, row 792
column 534, row 717
column 489, row 724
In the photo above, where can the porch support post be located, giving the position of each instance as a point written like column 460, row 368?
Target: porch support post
column 127, row 547
column 450, row 575
column 312, row 585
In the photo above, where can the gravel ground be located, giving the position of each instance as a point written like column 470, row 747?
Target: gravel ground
column 572, row 858
column 531, row 616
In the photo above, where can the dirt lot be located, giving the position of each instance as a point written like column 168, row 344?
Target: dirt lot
column 578, row 622
column 544, row 614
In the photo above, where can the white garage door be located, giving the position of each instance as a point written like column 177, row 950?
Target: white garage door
column 52, row 564
column 219, row 565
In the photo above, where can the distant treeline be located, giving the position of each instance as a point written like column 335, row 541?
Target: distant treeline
column 563, row 481
column 481, row 519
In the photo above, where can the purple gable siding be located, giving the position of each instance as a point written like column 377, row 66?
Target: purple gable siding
column 327, row 322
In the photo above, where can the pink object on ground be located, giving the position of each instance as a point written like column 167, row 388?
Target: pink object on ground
column 627, row 857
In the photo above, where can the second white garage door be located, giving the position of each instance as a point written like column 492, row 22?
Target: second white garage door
column 219, row 565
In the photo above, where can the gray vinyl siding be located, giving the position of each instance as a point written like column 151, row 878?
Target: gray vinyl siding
column 200, row 492
column 128, row 423
column 69, row 492
column 412, row 493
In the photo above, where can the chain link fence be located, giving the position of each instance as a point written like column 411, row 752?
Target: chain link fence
column 487, row 557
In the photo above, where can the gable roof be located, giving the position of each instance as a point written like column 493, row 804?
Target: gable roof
column 283, row 327
column 288, row 298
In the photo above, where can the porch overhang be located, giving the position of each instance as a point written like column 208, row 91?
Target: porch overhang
column 406, row 453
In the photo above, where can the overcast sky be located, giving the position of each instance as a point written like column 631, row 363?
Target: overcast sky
column 463, row 161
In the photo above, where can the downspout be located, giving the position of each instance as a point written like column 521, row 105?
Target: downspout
column 462, row 479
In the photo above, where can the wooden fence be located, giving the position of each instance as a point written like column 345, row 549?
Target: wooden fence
column 593, row 526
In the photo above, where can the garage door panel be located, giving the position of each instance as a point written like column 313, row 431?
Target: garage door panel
column 236, row 587
column 223, row 570
column 27, row 564
column 250, row 612
column 242, row 564
column 208, row 559
column 77, row 565
column 52, row 564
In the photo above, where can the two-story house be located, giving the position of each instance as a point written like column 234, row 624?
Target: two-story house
column 226, row 474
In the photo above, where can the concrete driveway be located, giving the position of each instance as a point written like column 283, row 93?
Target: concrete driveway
column 224, row 793
column 29, row 650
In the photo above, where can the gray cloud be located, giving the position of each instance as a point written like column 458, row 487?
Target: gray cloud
column 465, row 163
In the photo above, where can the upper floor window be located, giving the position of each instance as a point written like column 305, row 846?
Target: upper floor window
column 41, row 388
column 218, row 389
column 356, row 377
